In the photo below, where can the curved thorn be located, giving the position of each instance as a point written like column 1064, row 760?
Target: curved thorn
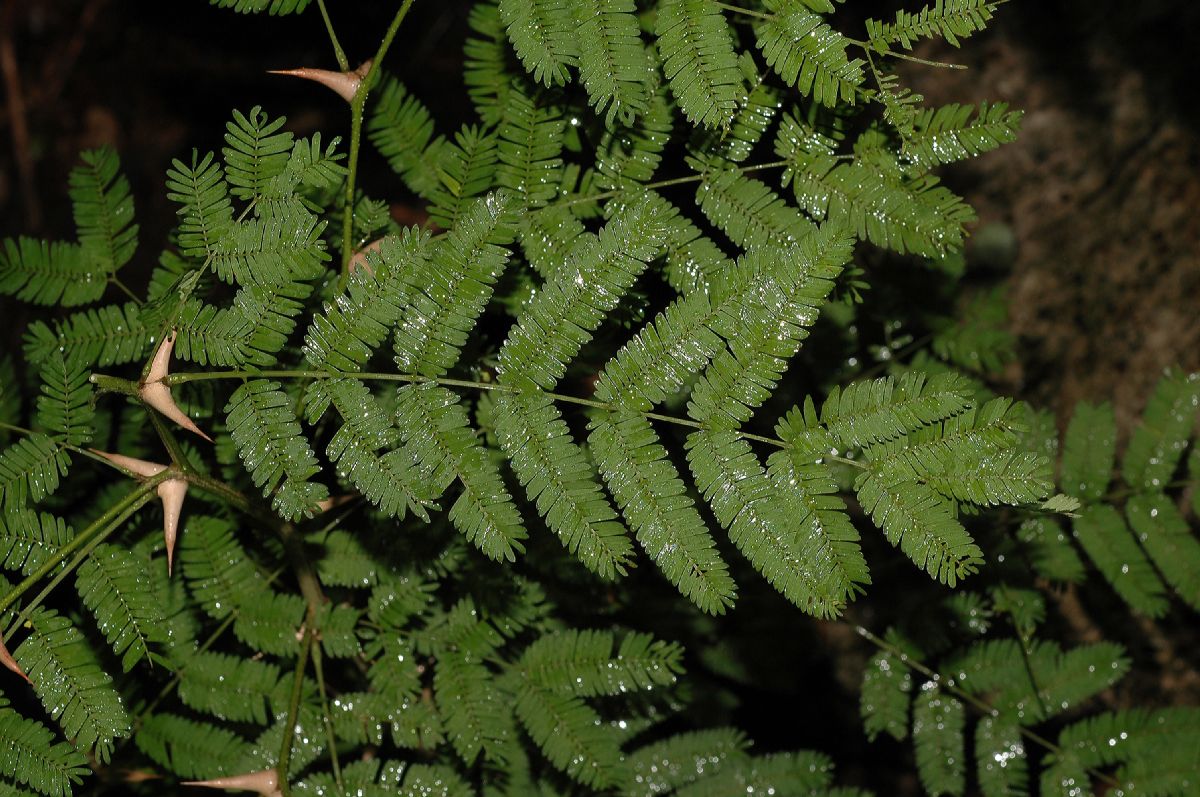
column 172, row 493
column 345, row 84
column 8, row 661
column 265, row 782
column 156, row 393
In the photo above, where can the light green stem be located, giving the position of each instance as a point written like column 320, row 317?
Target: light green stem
column 357, row 105
column 338, row 52
column 180, row 378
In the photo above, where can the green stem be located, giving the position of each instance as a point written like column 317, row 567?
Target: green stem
column 99, row 528
column 745, row 11
column 125, row 289
column 691, row 178
column 68, row 447
column 330, row 736
column 289, row 733
column 980, row 705
column 357, row 106
column 180, row 378
column 338, row 52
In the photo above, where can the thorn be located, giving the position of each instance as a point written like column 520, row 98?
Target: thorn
column 330, row 503
column 156, row 393
column 8, row 661
column 265, row 783
column 344, row 83
column 172, row 492
column 139, row 466
column 360, row 257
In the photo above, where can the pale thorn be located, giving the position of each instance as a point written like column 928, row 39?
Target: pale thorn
column 8, row 661
column 156, row 393
column 265, row 783
column 139, row 467
column 344, row 83
column 330, row 503
column 172, row 493
column 360, row 257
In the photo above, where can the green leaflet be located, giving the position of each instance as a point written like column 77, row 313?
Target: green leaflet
column 950, row 19
column 652, row 497
column 882, row 409
column 343, row 337
column 1158, row 443
column 1000, row 757
column 189, row 748
column 884, row 698
column 629, row 155
column 272, row 7
column 558, row 478
column 938, row 724
column 68, row 274
column 30, row 755
column 466, row 167
column 103, row 210
column 65, row 408
column 1164, row 534
column 612, row 59
column 571, row 735
column 1104, row 536
column 434, row 426
column 955, row 132
column 28, row 538
column 115, row 586
column 543, row 34
column 71, row 683
column 675, row 762
column 583, row 663
column 257, row 152
column 30, row 470
column 449, row 290
column 561, row 317
column 916, row 519
column 401, row 129
column 529, row 150
column 230, row 688
column 264, row 428
column 1089, row 451
column 808, row 54
column 775, row 324
column 732, row 480
column 389, row 479
column 698, row 60
column 749, row 212
column 780, row 773
column 206, row 213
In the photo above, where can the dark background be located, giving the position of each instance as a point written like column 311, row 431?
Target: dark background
column 1100, row 195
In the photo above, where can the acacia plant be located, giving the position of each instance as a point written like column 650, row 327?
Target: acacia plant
column 439, row 503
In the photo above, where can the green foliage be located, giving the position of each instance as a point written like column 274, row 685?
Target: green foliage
column 264, row 428
column 696, row 49
column 808, row 54
column 115, row 587
column 591, row 340
column 30, row 755
column 951, row 20
column 72, row 684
